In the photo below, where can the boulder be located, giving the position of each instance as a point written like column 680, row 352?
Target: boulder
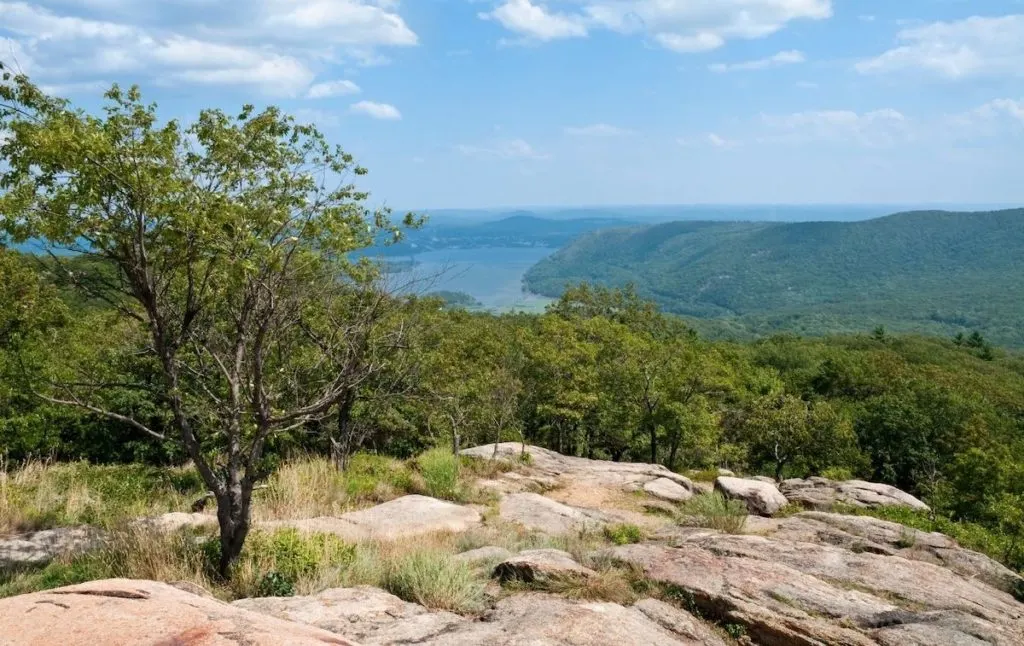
column 555, row 466
column 667, row 489
column 822, row 494
column 727, row 473
column 541, row 566
column 536, row 512
column 536, row 619
column 122, row 612
column 403, row 517
column 761, row 498
column 798, row 592
column 176, row 521
column 41, row 547
column 484, row 555
column 364, row 614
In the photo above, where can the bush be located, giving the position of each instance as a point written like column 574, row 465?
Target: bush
column 624, row 534
column 274, row 564
column 715, row 511
column 839, row 474
column 435, row 580
column 440, row 470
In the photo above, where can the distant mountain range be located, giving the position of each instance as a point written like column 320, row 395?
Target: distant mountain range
column 931, row 271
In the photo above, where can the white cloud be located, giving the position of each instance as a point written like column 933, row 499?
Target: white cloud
column 677, row 25
column 596, row 130
column 384, row 111
column 503, row 149
column 995, row 118
column 974, row 46
column 274, row 45
column 535, row 21
column 789, row 57
column 875, row 128
column 719, row 141
column 332, row 88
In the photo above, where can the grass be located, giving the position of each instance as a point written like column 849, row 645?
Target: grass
column 440, row 470
column 714, row 511
column 41, row 494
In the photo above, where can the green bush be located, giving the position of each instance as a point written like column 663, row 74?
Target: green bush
column 715, row 511
column 440, row 470
column 839, row 474
column 624, row 534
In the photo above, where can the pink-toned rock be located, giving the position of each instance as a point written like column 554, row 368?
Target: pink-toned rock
column 123, row 612
column 761, row 498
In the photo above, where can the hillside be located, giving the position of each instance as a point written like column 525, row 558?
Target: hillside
column 933, row 271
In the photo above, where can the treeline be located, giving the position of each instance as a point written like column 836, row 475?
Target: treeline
column 602, row 374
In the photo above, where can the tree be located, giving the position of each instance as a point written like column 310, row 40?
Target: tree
column 784, row 430
column 228, row 239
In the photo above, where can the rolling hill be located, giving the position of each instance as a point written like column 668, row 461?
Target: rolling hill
column 930, row 271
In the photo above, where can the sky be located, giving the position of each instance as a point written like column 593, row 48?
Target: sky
column 512, row 103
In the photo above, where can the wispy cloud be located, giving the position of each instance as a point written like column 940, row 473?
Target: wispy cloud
column 597, row 130
column 383, row 111
column 790, row 57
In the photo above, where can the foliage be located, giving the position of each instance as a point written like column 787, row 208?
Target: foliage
column 624, row 533
column 714, row 511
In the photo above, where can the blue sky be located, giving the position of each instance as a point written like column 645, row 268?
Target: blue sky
column 488, row 103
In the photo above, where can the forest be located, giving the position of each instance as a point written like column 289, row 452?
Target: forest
column 201, row 305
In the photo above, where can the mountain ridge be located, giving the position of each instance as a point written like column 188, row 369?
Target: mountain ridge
column 932, row 271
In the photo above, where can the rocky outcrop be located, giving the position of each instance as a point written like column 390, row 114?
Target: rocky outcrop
column 364, row 614
column 667, row 489
column 41, row 547
column 795, row 592
column 403, row 517
column 535, row 619
column 541, row 566
column 536, row 512
column 866, row 534
column 555, row 466
column 822, row 494
column 120, row 612
column 761, row 498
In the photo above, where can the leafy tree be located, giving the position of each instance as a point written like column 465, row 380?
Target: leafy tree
column 226, row 238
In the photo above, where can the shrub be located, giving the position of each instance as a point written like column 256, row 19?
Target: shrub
column 273, row 564
column 839, row 474
column 624, row 534
column 715, row 511
column 440, row 470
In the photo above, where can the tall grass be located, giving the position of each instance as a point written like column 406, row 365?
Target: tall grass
column 714, row 511
column 440, row 470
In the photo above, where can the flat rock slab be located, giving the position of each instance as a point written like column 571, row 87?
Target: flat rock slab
column 822, row 494
column 866, row 534
column 39, row 548
column 798, row 592
column 553, row 465
column 365, row 614
column 536, row 512
column 667, row 489
column 536, row 619
column 484, row 555
column 541, row 566
column 121, row 612
column 403, row 517
column 761, row 498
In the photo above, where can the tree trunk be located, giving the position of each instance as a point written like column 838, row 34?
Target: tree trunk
column 673, row 449
column 344, row 444
column 234, row 521
column 653, row 430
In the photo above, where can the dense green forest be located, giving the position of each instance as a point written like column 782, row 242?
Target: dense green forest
column 932, row 272
column 206, row 309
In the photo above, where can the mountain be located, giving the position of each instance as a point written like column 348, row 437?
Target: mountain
column 932, row 271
